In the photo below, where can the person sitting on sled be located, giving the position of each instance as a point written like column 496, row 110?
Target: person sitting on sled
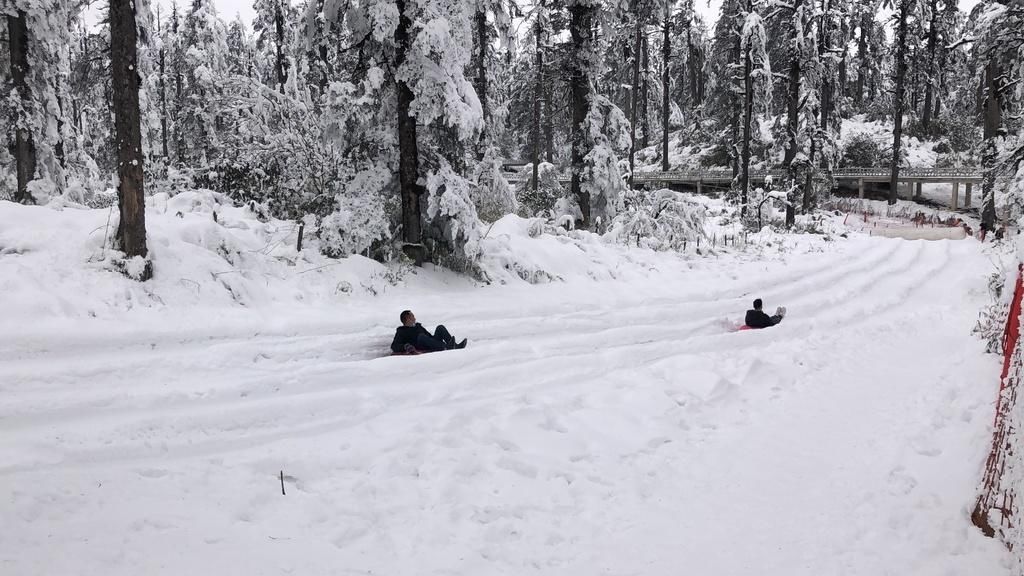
column 411, row 336
column 757, row 318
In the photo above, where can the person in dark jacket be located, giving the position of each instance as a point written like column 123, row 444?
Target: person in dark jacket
column 411, row 335
column 756, row 318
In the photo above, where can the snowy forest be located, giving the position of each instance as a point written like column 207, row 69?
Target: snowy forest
column 512, row 287
column 402, row 128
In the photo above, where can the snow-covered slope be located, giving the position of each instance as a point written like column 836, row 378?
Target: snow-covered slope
column 615, row 427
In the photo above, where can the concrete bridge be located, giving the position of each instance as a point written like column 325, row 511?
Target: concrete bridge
column 855, row 177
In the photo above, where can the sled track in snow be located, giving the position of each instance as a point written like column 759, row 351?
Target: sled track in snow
column 603, row 436
column 280, row 402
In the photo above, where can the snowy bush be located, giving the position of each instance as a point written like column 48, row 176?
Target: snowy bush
column 451, row 212
column 861, row 151
column 601, row 178
column 718, row 156
column 992, row 319
column 661, row 220
column 960, row 131
column 542, row 200
column 566, row 212
column 493, row 196
column 353, row 227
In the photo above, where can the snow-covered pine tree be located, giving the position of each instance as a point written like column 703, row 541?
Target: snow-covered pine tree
column 273, row 26
column 905, row 10
column 999, row 53
column 205, row 66
column 24, row 148
column 757, row 81
column 599, row 128
column 241, row 49
column 38, row 34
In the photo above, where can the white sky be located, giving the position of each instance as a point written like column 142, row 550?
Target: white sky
column 229, row 9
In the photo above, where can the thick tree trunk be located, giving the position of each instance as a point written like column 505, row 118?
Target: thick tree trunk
column 666, row 55
column 809, row 195
column 480, row 20
column 408, row 153
column 635, row 97
column 899, row 97
column 929, row 93
column 131, row 231
column 645, row 124
column 24, row 149
column 793, row 113
column 793, row 99
column 58, row 148
column 549, row 126
column 581, row 31
column 280, row 65
column 990, row 150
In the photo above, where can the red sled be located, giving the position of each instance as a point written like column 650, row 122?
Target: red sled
column 744, row 327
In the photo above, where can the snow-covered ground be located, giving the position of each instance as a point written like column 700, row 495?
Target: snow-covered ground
column 612, row 423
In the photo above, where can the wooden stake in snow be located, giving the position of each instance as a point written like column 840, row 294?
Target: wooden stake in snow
column 282, row 483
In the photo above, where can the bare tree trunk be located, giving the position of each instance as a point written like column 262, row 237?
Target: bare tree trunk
column 915, row 81
column 538, row 90
column 131, row 231
column 58, row 148
column 899, row 97
column 635, row 98
column 808, row 197
column 666, row 55
column 645, row 123
column 990, row 150
column 793, row 100
column 748, row 116
column 549, row 126
column 581, row 31
column 24, row 149
column 408, row 153
column 480, row 19
column 793, row 111
column 929, row 93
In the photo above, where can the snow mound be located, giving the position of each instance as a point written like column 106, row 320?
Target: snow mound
column 205, row 251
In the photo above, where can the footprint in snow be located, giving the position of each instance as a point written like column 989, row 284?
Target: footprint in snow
column 900, row 482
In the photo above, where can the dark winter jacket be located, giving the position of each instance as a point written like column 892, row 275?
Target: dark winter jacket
column 407, row 335
column 758, row 319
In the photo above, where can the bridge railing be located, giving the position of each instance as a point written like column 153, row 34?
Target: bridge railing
column 725, row 175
